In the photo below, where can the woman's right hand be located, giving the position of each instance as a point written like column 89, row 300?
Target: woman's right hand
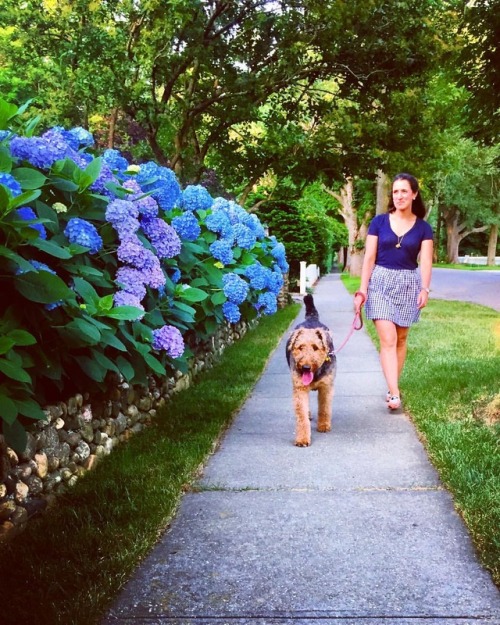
column 359, row 300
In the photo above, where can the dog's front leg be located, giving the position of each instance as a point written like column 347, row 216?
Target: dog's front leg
column 325, row 401
column 303, row 425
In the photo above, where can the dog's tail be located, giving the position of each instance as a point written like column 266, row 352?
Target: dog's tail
column 310, row 307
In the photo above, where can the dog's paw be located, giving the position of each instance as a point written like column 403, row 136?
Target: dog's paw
column 302, row 443
column 324, row 427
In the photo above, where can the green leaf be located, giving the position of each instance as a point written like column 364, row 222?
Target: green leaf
column 104, row 361
column 124, row 313
column 105, row 304
column 154, row 364
column 7, row 112
column 6, row 344
column 5, row 161
column 63, row 185
column 49, row 247
column 125, row 368
column 31, row 409
column 84, row 331
column 93, row 170
column 15, row 436
column 13, row 371
column 22, row 337
column 91, row 368
column 108, row 338
column 191, row 294
column 87, row 292
column 19, row 260
column 5, row 199
column 218, row 298
column 29, row 178
column 24, row 198
column 42, row 287
column 8, row 410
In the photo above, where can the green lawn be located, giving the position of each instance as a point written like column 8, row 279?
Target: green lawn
column 450, row 387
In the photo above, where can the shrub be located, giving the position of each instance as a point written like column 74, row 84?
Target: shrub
column 110, row 269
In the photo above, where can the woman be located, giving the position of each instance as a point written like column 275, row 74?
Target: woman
column 393, row 289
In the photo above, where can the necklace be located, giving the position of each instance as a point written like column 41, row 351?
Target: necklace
column 400, row 240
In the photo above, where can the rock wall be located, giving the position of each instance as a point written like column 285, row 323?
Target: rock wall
column 83, row 429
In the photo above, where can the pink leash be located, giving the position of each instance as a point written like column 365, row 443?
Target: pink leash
column 357, row 324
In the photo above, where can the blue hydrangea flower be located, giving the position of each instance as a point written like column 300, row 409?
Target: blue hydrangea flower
column 235, row 288
column 114, row 160
column 132, row 281
column 231, row 312
column 11, row 183
column 27, row 213
column 245, row 237
column 268, row 302
column 163, row 237
column 175, row 275
column 80, row 137
column 162, row 182
column 105, row 176
column 222, row 251
column 219, row 222
column 4, row 134
column 59, row 140
column 279, row 254
column 37, row 151
column 169, row 339
column 275, row 281
column 253, row 222
column 257, row 275
column 196, row 197
column 122, row 298
column 83, row 233
column 187, row 226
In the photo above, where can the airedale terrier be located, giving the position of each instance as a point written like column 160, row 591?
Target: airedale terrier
column 312, row 362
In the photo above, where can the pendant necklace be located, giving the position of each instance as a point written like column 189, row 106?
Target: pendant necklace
column 400, row 240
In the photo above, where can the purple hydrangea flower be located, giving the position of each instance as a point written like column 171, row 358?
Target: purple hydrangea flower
column 169, row 339
column 27, row 213
column 163, row 237
column 231, row 312
column 83, row 233
column 105, row 176
column 132, row 281
column 122, row 215
column 196, row 197
column 187, row 226
column 147, row 205
column 235, row 288
column 222, row 251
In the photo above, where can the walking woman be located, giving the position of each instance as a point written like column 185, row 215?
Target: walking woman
column 391, row 285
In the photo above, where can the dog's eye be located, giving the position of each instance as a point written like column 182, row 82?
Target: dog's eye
column 315, row 348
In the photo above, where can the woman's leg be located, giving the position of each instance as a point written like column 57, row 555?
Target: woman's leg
column 402, row 334
column 388, row 335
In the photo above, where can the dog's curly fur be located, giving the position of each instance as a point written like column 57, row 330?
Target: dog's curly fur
column 312, row 362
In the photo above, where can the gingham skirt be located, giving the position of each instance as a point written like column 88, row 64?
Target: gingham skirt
column 393, row 294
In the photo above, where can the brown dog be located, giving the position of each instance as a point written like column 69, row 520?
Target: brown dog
column 312, row 362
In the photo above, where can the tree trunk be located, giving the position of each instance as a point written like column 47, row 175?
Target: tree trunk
column 382, row 192
column 112, row 127
column 492, row 245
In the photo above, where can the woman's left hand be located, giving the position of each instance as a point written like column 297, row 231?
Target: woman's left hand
column 423, row 298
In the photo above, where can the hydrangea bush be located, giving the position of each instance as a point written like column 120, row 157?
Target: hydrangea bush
column 110, row 268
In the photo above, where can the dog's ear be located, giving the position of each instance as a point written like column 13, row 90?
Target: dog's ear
column 294, row 338
column 322, row 337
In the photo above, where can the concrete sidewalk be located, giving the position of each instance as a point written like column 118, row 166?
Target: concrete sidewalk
column 355, row 529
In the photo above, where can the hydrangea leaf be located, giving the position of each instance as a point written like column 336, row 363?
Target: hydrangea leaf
column 124, row 313
column 125, row 368
column 23, row 199
column 13, row 371
column 8, row 409
column 21, row 337
column 42, row 287
column 6, row 344
column 49, row 247
column 191, row 294
column 29, row 178
column 91, row 368
column 29, row 408
column 218, row 298
column 154, row 364
column 15, row 436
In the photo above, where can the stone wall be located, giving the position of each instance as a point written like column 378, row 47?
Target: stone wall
column 83, row 429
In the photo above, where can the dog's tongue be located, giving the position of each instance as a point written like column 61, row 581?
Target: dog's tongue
column 307, row 378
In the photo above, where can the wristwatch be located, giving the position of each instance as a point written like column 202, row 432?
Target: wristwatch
column 426, row 289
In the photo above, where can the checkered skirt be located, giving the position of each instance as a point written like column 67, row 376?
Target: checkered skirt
column 393, row 294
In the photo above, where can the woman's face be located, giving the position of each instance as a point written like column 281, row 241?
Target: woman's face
column 402, row 195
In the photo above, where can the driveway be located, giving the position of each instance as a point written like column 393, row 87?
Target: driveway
column 478, row 287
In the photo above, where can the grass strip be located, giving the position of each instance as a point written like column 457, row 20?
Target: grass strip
column 450, row 389
column 71, row 562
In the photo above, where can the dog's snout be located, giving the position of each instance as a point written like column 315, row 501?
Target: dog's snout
column 306, row 368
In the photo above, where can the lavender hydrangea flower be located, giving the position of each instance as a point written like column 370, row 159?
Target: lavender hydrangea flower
column 83, row 233
column 122, row 298
column 132, row 281
column 147, row 205
column 235, row 288
column 169, row 339
column 27, row 213
column 231, row 312
column 187, row 226
column 133, row 252
column 196, row 197
column 105, row 177
column 221, row 251
column 122, row 215
column 163, row 237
